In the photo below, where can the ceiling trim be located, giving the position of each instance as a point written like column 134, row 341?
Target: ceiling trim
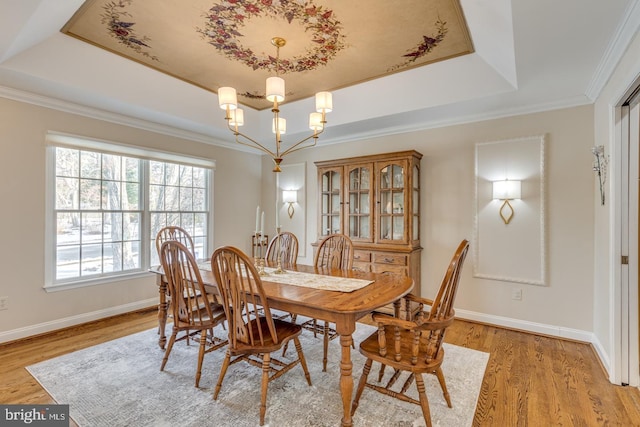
column 615, row 50
column 119, row 119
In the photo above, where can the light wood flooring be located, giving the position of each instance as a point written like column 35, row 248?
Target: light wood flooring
column 530, row 380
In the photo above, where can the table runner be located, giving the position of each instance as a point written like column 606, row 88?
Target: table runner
column 309, row 280
column 316, row 281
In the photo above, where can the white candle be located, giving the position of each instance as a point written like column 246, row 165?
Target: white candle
column 262, row 224
column 257, row 218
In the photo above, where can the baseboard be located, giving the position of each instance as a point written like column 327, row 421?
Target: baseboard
column 603, row 356
column 42, row 328
column 524, row 325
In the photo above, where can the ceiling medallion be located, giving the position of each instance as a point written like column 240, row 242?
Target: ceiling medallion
column 225, row 20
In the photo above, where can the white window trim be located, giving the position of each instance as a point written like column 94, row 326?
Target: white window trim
column 58, row 139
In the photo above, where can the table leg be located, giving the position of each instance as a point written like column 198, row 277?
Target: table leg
column 346, row 378
column 162, row 311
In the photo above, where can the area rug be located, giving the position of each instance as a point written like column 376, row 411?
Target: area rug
column 119, row 383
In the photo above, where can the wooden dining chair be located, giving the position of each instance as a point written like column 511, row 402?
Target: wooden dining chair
column 194, row 312
column 284, row 247
column 413, row 342
column 253, row 333
column 334, row 252
column 173, row 232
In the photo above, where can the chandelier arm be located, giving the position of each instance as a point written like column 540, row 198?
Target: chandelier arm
column 296, row 146
column 255, row 144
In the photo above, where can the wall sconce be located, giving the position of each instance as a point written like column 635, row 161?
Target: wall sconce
column 506, row 190
column 291, row 197
column 600, row 167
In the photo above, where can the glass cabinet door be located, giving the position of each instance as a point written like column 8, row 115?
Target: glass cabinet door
column 359, row 215
column 392, row 202
column 330, row 202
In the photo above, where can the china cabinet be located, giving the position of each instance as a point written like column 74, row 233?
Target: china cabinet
column 375, row 200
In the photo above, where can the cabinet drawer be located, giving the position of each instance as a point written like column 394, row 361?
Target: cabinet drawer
column 390, row 259
column 362, row 266
column 390, row 268
column 361, row 256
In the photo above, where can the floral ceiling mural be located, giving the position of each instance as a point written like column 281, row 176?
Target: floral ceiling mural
column 329, row 44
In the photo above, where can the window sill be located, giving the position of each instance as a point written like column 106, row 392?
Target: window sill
column 94, row 282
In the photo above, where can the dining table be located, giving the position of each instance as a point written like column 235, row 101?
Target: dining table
column 343, row 308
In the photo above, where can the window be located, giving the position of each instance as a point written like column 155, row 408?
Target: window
column 177, row 196
column 107, row 201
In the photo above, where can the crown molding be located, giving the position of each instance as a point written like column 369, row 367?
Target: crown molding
column 119, row 119
column 615, row 50
column 576, row 101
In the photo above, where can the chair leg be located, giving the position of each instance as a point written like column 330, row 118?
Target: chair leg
column 303, row 361
column 361, row 384
column 266, row 362
column 424, row 402
column 394, row 378
column 203, row 342
column 223, row 372
column 284, row 349
column 168, row 350
column 443, row 385
column 325, row 344
column 381, row 372
column 286, row 346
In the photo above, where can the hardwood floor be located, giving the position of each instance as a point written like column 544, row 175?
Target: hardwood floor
column 530, row 380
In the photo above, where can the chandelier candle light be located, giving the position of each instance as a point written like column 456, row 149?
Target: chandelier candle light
column 228, row 101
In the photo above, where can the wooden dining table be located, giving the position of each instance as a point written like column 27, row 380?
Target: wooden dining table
column 341, row 308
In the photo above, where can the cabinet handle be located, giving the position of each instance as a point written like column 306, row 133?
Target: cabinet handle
column 356, row 257
column 388, row 260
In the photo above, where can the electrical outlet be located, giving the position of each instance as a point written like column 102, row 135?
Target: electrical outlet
column 4, row 303
column 516, row 294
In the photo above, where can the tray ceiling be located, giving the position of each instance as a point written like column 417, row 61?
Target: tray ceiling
column 329, row 44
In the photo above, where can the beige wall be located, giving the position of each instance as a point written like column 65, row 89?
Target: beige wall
column 565, row 306
column 22, row 191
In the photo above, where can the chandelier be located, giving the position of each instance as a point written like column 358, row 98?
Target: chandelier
column 275, row 92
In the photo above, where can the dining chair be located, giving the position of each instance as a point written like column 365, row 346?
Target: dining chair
column 413, row 342
column 284, row 247
column 253, row 332
column 334, row 252
column 173, row 232
column 194, row 312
